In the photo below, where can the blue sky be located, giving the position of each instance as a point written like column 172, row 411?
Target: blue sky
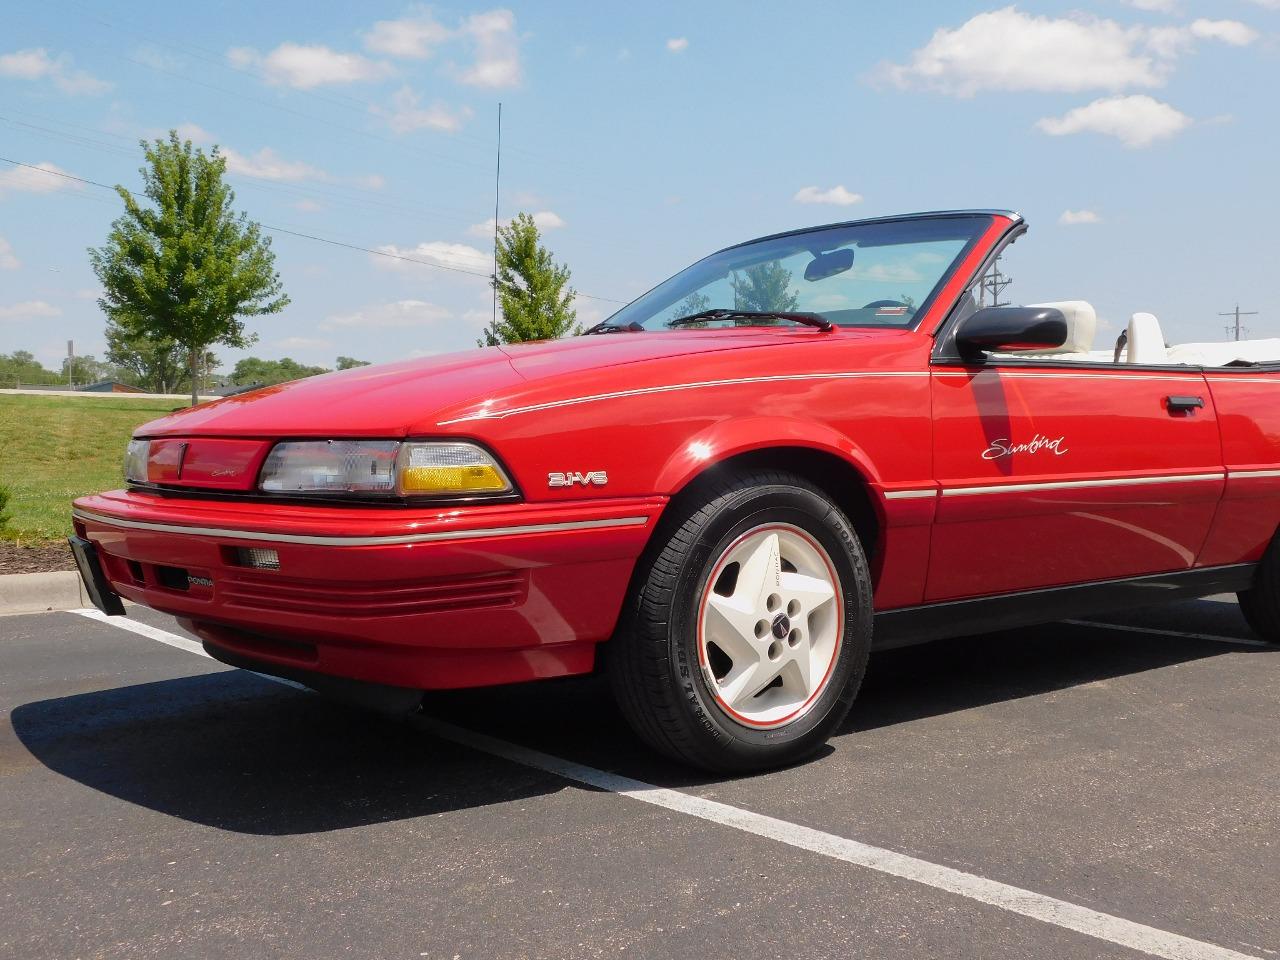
column 1139, row 139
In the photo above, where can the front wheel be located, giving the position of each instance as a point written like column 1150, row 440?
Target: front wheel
column 1261, row 604
column 750, row 628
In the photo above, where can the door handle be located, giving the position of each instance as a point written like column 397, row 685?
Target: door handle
column 1184, row 404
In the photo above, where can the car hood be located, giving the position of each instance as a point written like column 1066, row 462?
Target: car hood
column 399, row 399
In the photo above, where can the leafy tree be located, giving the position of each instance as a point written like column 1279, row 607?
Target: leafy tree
column 157, row 365
column 22, row 367
column 85, row 370
column 533, row 291
column 187, row 269
column 766, row 286
column 349, row 363
column 264, row 373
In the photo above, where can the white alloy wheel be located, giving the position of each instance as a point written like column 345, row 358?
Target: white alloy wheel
column 770, row 625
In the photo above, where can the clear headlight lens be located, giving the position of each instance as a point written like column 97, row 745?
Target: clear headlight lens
column 331, row 466
column 135, row 460
column 449, row 468
column 382, row 467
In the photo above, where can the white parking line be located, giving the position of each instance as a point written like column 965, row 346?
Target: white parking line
column 1037, row 906
column 1242, row 641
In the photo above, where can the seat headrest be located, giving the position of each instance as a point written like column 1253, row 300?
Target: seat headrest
column 1146, row 340
column 1082, row 324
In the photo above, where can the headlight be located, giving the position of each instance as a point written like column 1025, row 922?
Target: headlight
column 135, row 460
column 331, row 466
column 385, row 467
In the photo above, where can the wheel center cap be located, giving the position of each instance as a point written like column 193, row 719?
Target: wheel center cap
column 781, row 626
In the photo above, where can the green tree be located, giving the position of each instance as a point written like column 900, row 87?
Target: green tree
column 186, row 269
column 693, row 304
column 22, row 367
column 157, row 365
column 265, row 373
column 766, row 286
column 533, row 290
column 350, row 363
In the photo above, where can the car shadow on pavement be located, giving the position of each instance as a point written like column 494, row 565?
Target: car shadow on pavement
column 237, row 752
column 234, row 751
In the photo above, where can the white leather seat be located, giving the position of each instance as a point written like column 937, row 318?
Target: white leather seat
column 1082, row 325
column 1146, row 340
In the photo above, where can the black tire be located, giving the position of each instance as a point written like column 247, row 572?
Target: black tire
column 1261, row 604
column 653, row 661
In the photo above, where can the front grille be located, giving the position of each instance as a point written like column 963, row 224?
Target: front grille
column 405, row 598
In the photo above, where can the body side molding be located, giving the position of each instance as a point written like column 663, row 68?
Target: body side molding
column 958, row 618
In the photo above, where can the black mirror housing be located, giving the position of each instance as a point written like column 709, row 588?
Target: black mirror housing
column 825, row 265
column 1006, row 329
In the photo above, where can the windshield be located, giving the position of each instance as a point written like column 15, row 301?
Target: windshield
column 863, row 275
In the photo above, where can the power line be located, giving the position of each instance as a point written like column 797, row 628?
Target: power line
column 1238, row 313
column 305, row 236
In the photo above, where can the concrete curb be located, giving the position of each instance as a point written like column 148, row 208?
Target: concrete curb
column 38, row 592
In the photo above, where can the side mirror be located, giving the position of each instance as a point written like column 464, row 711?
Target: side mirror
column 1006, row 329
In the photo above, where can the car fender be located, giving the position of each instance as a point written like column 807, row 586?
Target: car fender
column 730, row 438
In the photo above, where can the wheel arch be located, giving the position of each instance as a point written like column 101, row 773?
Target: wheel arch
column 827, row 459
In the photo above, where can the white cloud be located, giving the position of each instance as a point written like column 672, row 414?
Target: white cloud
column 1007, row 49
column 413, row 38
column 1136, row 121
column 29, row 310
column 266, row 164
column 400, row 313
column 42, row 178
column 1156, row 6
column 1232, row 32
column 1267, row 4
column 678, row 44
column 194, row 132
column 7, row 260
column 303, row 343
column 497, row 62
column 1073, row 217
column 458, row 256
column 837, row 196
column 543, row 220
column 406, row 115
column 36, row 64
column 304, row 67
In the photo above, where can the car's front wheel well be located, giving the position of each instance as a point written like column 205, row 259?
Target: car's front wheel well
column 839, row 479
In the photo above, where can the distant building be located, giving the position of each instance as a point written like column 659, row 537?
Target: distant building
column 110, row 386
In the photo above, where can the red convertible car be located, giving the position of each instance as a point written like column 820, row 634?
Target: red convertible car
column 725, row 496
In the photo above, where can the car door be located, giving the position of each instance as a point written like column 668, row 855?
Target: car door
column 1061, row 472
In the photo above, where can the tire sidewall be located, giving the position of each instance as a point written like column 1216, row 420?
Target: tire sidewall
column 807, row 510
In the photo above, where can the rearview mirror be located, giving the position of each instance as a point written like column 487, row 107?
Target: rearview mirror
column 1007, row 329
column 825, row 265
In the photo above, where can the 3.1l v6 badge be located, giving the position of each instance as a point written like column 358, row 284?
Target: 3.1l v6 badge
column 596, row 478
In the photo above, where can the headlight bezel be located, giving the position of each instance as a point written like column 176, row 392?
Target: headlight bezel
column 395, row 493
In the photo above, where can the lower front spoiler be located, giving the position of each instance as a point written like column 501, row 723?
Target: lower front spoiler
column 95, row 580
column 379, row 697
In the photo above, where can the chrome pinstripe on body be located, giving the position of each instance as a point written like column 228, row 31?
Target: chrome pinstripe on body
column 668, row 387
column 507, row 531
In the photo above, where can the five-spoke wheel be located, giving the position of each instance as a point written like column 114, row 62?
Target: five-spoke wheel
column 748, row 634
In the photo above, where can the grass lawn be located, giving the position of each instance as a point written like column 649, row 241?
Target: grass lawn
column 54, row 449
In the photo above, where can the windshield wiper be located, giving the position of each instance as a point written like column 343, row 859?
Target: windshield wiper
column 808, row 319
column 607, row 327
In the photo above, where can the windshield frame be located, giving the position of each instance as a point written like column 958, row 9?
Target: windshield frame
column 982, row 221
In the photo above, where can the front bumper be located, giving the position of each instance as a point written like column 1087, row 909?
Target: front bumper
column 429, row 598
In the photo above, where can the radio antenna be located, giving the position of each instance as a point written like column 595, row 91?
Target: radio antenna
column 497, row 180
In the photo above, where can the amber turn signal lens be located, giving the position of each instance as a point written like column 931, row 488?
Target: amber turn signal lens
column 443, row 469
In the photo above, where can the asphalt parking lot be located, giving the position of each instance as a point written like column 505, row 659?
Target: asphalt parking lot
column 1076, row 790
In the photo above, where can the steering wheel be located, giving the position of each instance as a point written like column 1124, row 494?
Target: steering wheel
column 889, row 303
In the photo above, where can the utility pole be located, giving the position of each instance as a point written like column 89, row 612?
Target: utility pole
column 1238, row 313
column 497, row 181
column 993, row 283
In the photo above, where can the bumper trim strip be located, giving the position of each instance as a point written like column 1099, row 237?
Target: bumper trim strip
column 513, row 530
